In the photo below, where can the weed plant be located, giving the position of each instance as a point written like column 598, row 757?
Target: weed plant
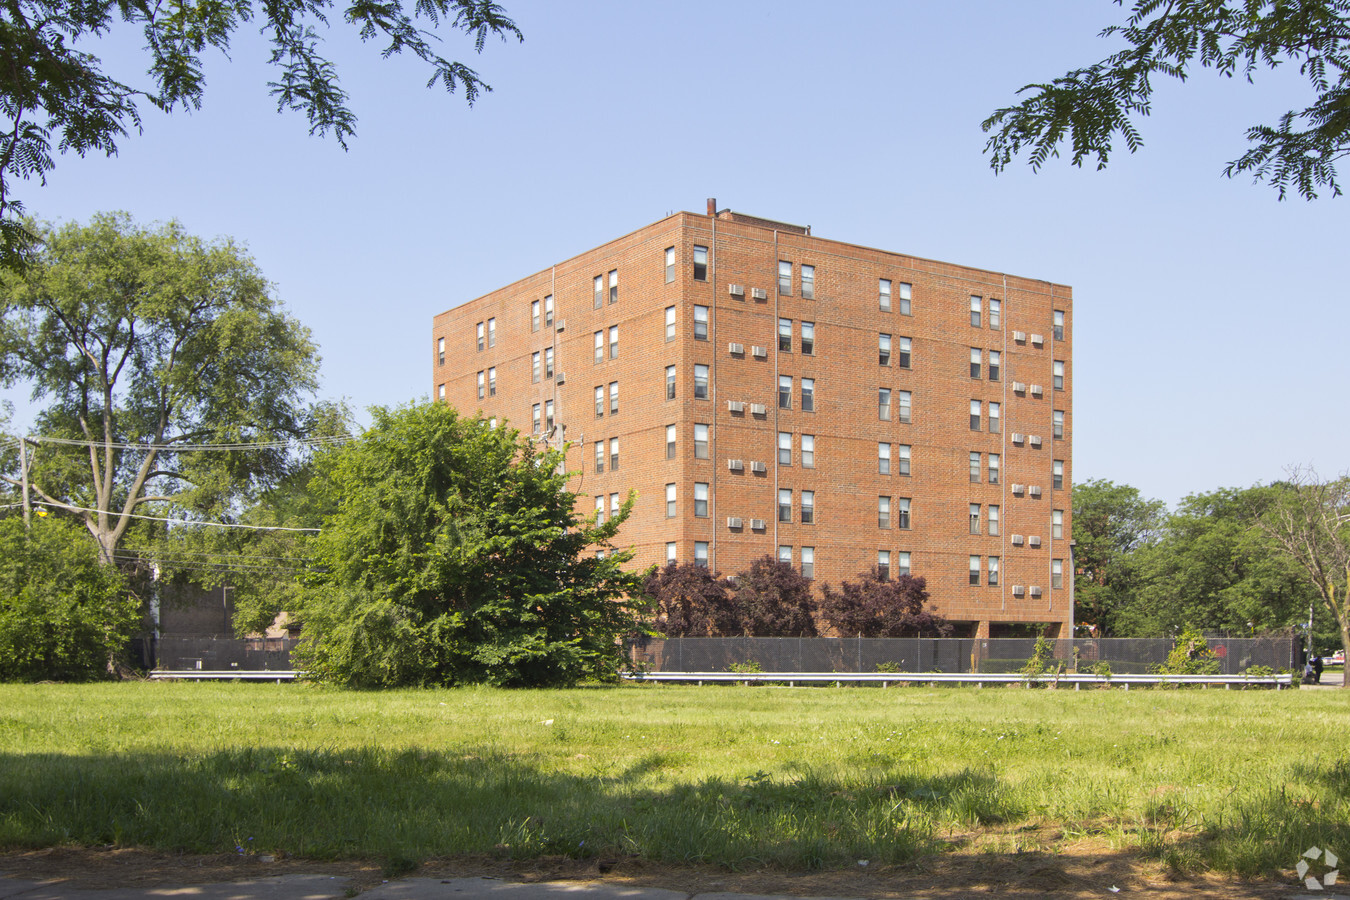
column 1236, row 781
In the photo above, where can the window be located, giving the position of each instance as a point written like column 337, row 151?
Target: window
column 808, row 395
column 480, row 336
column 534, row 315
column 535, row 417
column 784, row 335
column 492, row 381
column 975, row 307
column 1058, row 375
column 902, row 512
column 599, row 400
column 976, row 358
column 613, row 505
column 1058, row 473
column 700, row 323
column 701, row 499
column 974, row 468
column 492, row 422
column 614, row 342
column 808, row 562
column 995, row 307
column 1057, row 573
column 700, row 263
column 883, row 349
column 785, row 505
column 599, row 456
column 701, row 554
column 670, row 382
column 993, row 571
column 976, row 412
column 902, row 458
column 905, row 346
column 974, row 518
column 492, row 332
column 884, row 294
column 785, row 448
column 700, row 382
column 994, row 364
column 534, row 367
column 548, row 362
column 808, row 338
column 883, row 459
column 785, row 392
column 993, row 520
column 670, row 264
column 808, row 451
column 613, row 285
column 902, row 563
column 700, row 441
column 670, row 441
column 883, row 512
column 785, row 554
column 548, row 311
column 784, row 277
column 905, row 293
column 884, row 404
column 440, row 390
column 600, row 509
column 884, row 565
column 672, row 553
column 614, row 454
column 808, row 507
column 1057, row 424
column 975, row 570
column 808, row 282
column 993, row 468
column 1057, row 524
column 995, row 423
column 613, row 398
column 670, row 501
column 440, row 351
column 599, row 291
column 902, row 400
column 482, row 384
column 1058, row 328
column 548, row 408
column 670, row 323
column 599, row 347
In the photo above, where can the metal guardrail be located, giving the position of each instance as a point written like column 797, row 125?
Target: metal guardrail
column 224, row 675
column 1279, row 682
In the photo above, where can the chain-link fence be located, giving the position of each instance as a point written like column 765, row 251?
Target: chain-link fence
column 208, row 653
column 953, row 655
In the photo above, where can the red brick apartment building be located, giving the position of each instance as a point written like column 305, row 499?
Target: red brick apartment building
column 763, row 390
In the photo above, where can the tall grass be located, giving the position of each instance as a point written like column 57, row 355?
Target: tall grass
column 1239, row 782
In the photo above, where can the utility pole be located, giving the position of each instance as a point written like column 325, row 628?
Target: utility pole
column 23, row 468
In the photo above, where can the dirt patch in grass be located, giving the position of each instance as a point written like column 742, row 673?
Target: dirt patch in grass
column 995, row 865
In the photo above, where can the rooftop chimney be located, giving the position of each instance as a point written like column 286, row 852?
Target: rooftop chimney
column 712, row 206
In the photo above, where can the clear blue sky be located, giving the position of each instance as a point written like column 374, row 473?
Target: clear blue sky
column 1212, row 322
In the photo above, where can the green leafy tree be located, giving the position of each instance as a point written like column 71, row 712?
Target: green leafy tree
column 874, row 607
column 53, row 88
column 151, row 348
column 1114, row 526
column 1090, row 107
column 63, row 615
column 456, row 555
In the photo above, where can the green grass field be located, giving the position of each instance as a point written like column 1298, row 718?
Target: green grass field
column 1239, row 782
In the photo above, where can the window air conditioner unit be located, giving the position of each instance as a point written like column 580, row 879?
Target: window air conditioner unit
column 1036, row 390
column 1019, row 387
column 736, row 290
column 1035, row 591
column 735, row 465
column 1037, row 339
column 1020, row 337
column 1018, row 488
column 758, row 409
column 1034, row 541
column 736, row 406
column 759, row 352
column 1018, row 437
column 1018, row 590
column 1034, row 490
column 759, row 467
column 756, row 524
column 1017, row 540
column 736, row 349
column 562, row 378
column 734, row 522
column 759, row 294
column 1034, row 440
column 562, row 324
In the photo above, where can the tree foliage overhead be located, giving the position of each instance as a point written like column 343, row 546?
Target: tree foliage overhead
column 53, row 89
column 456, row 555
column 876, row 607
column 151, row 349
column 1091, row 106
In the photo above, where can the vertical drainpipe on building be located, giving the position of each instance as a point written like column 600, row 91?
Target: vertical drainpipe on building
column 773, row 391
column 557, row 365
column 1006, row 373
column 712, row 390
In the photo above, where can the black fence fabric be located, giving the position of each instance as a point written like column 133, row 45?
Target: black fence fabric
column 217, row 654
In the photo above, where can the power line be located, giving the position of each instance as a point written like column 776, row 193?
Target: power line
column 179, row 521
column 182, row 448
